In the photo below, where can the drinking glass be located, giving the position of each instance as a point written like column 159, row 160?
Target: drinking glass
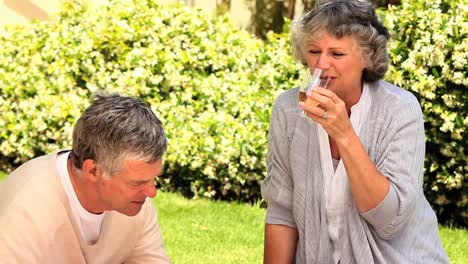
column 309, row 83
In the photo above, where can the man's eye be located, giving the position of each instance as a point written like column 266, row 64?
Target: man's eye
column 137, row 184
column 337, row 54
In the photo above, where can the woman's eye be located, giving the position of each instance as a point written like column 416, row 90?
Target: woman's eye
column 336, row 54
column 314, row 52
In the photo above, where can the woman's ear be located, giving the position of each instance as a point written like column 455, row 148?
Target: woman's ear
column 91, row 170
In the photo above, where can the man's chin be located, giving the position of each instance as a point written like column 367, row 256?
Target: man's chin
column 133, row 210
column 132, row 214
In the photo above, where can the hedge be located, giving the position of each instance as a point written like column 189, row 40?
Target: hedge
column 429, row 56
column 213, row 86
column 210, row 83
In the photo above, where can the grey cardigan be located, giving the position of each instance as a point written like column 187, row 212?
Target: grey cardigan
column 401, row 229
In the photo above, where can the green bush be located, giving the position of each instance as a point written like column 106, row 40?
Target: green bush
column 212, row 85
column 429, row 56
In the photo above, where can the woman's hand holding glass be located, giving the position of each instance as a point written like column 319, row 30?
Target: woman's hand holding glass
column 324, row 106
column 309, row 83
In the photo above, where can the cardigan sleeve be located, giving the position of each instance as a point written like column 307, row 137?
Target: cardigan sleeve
column 402, row 163
column 149, row 247
column 20, row 240
column 277, row 188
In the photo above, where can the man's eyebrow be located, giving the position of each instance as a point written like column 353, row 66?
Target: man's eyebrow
column 140, row 181
column 146, row 181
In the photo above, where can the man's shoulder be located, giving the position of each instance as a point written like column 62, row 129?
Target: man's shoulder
column 36, row 166
column 31, row 189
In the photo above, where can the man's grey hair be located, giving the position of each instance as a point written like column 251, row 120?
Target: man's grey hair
column 341, row 18
column 114, row 128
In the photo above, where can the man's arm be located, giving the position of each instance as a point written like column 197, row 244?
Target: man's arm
column 280, row 244
column 19, row 239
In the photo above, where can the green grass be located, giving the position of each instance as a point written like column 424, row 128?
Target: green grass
column 2, row 175
column 202, row 231
column 455, row 242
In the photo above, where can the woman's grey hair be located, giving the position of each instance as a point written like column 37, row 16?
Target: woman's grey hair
column 341, row 18
column 114, row 128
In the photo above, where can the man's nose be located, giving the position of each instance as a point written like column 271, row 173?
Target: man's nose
column 150, row 190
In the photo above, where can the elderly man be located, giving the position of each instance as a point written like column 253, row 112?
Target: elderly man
column 91, row 204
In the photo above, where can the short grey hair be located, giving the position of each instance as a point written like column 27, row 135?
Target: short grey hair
column 114, row 128
column 341, row 18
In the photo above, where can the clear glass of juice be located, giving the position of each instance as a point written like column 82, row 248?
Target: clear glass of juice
column 309, row 83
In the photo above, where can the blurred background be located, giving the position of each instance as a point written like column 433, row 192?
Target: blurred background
column 211, row 70
column 257, row 16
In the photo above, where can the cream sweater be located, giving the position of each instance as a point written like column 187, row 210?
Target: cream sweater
column 37, row 224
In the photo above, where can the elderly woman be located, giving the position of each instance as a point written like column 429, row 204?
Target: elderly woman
column 347, row 186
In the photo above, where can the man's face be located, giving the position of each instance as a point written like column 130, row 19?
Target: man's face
column 127, row 190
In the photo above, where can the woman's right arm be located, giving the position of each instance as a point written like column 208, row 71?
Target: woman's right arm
column 280, row 244
column 277, row 189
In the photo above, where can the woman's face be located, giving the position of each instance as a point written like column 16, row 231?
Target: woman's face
column 341, row 61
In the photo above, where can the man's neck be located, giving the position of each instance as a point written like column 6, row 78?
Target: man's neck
column 86, row 195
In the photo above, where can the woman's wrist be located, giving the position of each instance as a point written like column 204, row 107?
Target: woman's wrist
column 346, row 137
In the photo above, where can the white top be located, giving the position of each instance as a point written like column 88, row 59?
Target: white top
column 335, row 177
column 89, row 223
column 335, row 164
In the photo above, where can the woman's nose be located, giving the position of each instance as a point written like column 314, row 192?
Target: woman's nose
column 323, row 62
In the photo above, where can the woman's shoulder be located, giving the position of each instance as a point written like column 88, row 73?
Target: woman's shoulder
column 286, row 107
column 390, row 96
column 287, row 99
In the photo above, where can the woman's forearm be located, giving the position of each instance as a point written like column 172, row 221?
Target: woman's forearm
column 368, row 185
column 280, row 244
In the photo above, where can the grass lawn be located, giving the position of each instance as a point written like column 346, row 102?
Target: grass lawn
column 201, row 231
column 455, row 242
column 2, row 175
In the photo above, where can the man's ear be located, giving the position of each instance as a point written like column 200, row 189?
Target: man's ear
column 91, row 170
